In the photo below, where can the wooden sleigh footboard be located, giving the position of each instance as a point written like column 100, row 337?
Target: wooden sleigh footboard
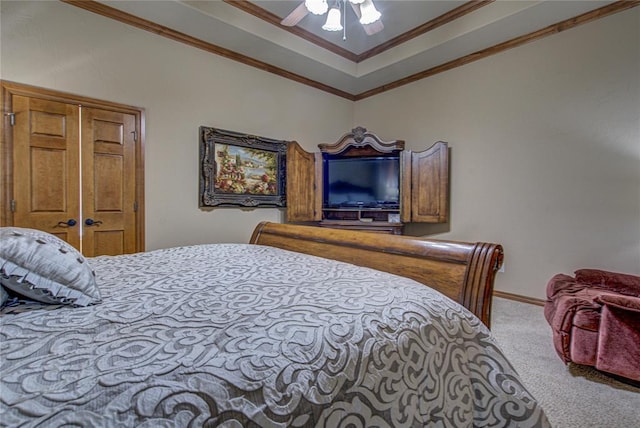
column 463, row 271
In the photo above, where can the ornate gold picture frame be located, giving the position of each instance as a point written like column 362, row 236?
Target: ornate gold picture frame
column 241, row 170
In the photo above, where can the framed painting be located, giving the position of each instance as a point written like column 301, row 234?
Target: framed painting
column 241, row 170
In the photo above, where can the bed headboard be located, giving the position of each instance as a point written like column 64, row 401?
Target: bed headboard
column 463, row 271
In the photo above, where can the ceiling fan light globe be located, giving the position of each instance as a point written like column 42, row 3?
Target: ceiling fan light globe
column 333, row 20
column 369, row 13
column 317, row 7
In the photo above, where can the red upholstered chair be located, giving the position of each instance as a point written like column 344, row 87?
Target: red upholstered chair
column 595, row 319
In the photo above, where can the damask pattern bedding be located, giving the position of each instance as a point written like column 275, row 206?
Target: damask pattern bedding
column 247, row 335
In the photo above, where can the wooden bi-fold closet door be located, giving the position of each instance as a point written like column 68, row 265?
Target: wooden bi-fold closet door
column 108, row 182
column 46, row 167
column 75, row 172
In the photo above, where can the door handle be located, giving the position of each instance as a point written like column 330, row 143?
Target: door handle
column 92, row 222
column 69, row 223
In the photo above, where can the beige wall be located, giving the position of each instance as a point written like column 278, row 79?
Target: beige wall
column 545, row 149
column 61, row 47
column 545, row 138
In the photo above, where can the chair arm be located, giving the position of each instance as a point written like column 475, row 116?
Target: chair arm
column 620, row 302
column 563, row 284
column 614, row 281
column 559, row 313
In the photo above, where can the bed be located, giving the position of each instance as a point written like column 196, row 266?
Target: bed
column 302, row 326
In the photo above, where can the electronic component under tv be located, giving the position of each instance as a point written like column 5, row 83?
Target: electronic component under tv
column 361, row 182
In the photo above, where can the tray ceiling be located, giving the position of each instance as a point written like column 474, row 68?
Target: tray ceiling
column 419, row 38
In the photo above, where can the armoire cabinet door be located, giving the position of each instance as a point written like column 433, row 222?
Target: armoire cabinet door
column 425, row 185
column 108, row 182
column 46, row 167
column 304, row 184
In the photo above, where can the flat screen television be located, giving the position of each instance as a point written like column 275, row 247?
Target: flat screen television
column 361, row 182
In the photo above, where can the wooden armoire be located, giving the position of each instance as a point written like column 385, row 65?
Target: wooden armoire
column 423, row 184
column 73, row 167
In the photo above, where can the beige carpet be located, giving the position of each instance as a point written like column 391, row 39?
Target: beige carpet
column 572, row 396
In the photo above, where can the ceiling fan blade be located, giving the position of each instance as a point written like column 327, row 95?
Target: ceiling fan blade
column 295, row 16
column 356, row 9
column 372, row 28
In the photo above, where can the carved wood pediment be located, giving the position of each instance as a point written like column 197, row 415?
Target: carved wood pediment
column 361, row 139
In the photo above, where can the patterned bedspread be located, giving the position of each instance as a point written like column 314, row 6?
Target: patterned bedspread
column 244, row 335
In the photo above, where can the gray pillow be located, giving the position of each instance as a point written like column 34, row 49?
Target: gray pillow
column 42, row 267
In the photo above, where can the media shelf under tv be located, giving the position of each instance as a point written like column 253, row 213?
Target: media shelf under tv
column 362, row 214
column 381, row 220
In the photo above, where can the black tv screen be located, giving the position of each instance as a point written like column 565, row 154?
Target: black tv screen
column 362, row 182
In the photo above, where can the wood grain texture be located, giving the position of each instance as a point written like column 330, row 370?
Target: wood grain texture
column 50, row 135
column 359, row 138
column 109, row 186
column 304, row 184
column 463, row 271
column 45, row 163
column 425, row 185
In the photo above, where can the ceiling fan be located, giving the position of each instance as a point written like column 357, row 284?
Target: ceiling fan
column 365, row 10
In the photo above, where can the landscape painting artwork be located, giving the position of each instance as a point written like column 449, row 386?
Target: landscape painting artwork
column 241, row 169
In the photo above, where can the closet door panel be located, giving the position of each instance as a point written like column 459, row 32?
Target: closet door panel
column 108, row 165
column 48, row 184
column 108, row 186
column 109, row 242
column 46, row 169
